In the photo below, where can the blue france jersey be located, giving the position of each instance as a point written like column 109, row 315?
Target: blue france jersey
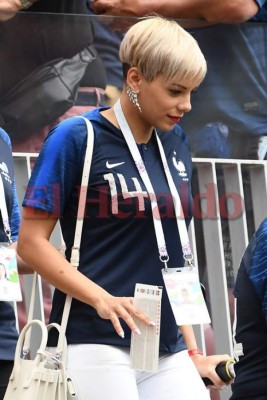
column 8, row 331
column 118, row 247
column 251, row 319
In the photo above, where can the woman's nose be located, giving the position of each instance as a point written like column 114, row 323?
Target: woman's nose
column 185, row 104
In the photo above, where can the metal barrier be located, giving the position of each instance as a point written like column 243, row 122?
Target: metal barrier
column 228, row 208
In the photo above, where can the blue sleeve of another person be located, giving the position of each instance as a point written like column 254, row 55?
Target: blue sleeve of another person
column 261, row 15
column 15, row 215
column 258, row 267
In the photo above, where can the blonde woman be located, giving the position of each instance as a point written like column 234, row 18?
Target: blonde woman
column 163, row 65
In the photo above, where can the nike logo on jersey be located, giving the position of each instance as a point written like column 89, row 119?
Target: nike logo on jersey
column 108, row 165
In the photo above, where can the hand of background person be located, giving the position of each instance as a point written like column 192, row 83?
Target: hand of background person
column 13, row 5
column 116, row 308
column 7, row 6
column 134, row 8
column 206, row 367
column 137, row 8
column 211, row 11
column 112, row 12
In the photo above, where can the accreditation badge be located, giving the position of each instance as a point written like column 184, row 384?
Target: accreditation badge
column 185, row 296
column 9, row 277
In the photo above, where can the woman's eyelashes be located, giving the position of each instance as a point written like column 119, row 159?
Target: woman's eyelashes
column 175, row 92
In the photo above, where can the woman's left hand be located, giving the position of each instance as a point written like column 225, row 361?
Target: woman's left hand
column 206, row 367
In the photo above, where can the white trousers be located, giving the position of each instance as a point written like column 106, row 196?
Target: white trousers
column 102, row 372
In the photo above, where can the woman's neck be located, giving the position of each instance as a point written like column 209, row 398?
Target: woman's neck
column 140, row 129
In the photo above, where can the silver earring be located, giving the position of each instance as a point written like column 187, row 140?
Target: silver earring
column 133, row 97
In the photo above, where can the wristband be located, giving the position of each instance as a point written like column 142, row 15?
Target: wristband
column 193, row 352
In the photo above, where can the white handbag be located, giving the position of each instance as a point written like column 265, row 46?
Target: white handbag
column 45, row 377
column 42, row 378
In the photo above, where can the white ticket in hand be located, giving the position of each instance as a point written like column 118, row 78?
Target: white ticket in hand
column 145, row 347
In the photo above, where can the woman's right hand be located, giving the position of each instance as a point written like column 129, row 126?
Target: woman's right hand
column 114, row 308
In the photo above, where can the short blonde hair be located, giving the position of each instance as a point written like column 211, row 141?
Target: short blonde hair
column 156, row 46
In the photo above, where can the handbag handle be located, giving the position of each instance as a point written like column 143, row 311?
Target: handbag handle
column 22, row 337
column 75, row 253
column 54, row 325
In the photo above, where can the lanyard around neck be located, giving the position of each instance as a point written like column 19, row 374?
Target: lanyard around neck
column 4, row 211
column 181, row 225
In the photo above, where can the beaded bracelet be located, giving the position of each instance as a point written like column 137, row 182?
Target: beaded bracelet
column 194, row 352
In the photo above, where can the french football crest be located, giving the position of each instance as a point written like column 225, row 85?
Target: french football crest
column 179, row 166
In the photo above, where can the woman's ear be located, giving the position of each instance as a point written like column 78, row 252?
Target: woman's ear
column 133, row 79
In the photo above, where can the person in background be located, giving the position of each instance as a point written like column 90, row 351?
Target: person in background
column 107, row 42
column 52, row 29
column 117, row 231
column 232, row 119
column 8, row 330
column 250, row 327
